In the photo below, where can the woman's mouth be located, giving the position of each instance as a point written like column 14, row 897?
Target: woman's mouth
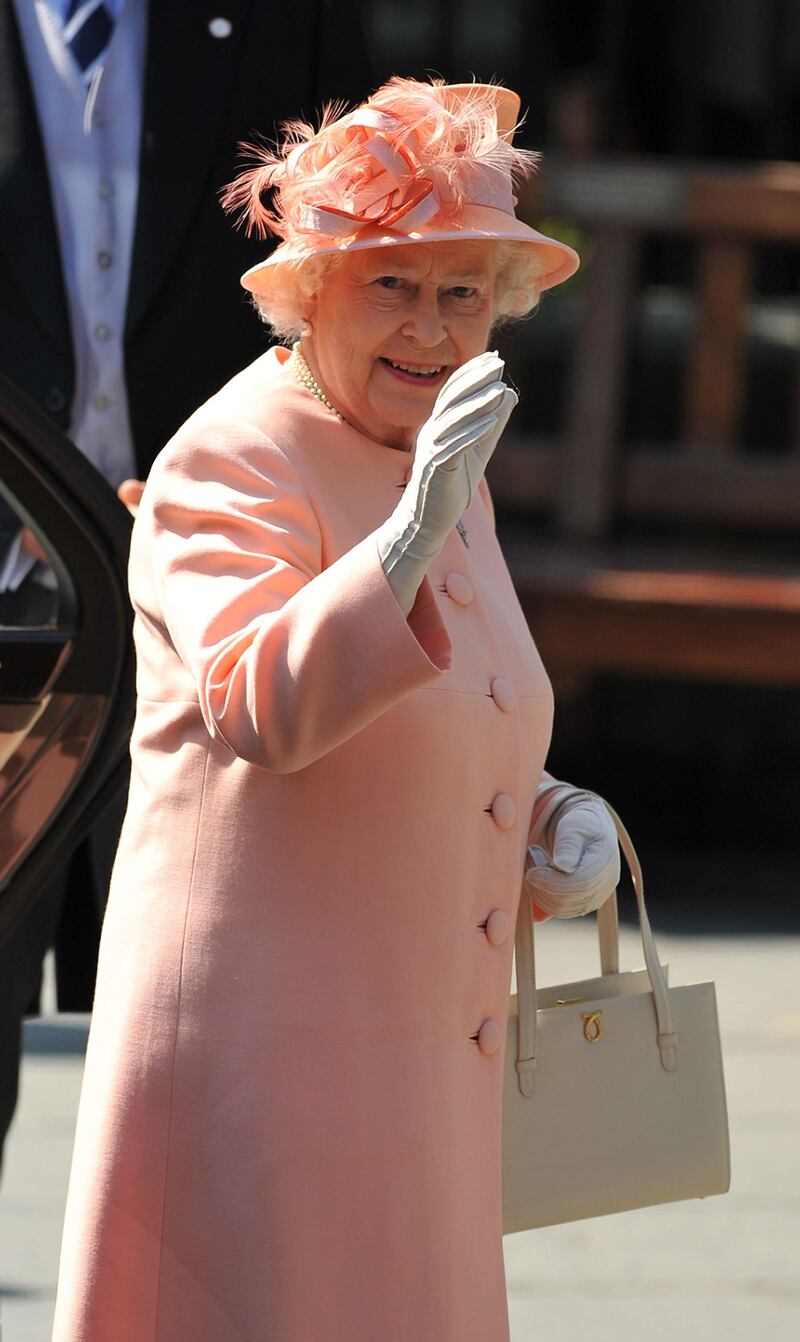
column 425, row 374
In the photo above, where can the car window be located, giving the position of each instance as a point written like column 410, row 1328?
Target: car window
column 66, row 691
column 30, row 592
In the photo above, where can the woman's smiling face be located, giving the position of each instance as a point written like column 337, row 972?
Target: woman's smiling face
column 389, row 326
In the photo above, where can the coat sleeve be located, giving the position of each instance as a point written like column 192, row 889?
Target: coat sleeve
column 289, row 659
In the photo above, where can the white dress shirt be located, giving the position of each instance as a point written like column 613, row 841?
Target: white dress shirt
column 94, row 180
column 93, row 167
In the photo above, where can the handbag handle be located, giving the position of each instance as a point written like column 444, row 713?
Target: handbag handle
column 608, row 933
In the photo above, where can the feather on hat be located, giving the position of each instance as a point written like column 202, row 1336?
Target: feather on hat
column 416, row 163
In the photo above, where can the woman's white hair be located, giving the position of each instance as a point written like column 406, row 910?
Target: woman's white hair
column 516, row 289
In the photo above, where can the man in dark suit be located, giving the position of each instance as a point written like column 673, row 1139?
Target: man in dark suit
column 188, row 327
column 209, row 77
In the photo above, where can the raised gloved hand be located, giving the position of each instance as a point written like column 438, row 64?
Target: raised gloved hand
column 452, row 449
column 572, row 865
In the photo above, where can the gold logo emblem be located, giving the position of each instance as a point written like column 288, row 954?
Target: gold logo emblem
column 592, row 1026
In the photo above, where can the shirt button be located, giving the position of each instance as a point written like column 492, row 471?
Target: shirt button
column 102, row 331
column 489, row 1037
column 459, row 588
column 105, row 189
column 100, row 401
column 503, row 694
column 104, row 260
column 503, row 810
column 497, row 927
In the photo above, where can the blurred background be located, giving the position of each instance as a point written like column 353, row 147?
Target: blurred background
column 649, row 495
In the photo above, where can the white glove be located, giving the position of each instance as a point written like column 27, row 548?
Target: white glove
column 452, row 449
column 572, row 865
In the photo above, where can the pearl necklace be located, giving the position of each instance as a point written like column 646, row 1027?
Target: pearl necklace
column 304, row 375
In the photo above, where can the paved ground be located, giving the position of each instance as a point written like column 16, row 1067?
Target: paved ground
column 727, row 1268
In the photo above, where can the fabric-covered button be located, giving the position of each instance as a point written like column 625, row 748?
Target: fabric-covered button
column 459, row 588
column 503, row 810
column 504, row 694
column 489, row 1037
column 497, row 927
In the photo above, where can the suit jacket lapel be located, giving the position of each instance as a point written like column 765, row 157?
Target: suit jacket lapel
column 28, row 236
column 188, row 83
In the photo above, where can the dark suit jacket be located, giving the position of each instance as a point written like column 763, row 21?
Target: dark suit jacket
column 189, row 326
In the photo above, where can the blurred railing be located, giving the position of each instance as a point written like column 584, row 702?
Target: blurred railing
column 656, row 499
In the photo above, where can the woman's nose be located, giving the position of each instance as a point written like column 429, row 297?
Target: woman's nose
column 424, row 324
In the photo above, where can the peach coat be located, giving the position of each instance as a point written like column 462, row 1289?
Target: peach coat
column 289, row 1129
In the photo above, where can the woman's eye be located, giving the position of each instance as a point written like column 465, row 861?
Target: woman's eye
column 389, row 281
column 463, row 291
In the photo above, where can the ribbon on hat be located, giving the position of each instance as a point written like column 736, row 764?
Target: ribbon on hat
column 397, row 194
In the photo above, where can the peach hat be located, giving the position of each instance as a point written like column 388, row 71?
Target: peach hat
column 418, row 162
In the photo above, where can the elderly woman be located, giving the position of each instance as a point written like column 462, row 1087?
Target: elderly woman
column 290, row 1121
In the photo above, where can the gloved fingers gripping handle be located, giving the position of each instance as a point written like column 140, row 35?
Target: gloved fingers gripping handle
column 560, row 897
column 570, row 893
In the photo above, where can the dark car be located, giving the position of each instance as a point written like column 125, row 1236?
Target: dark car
column 66, row 656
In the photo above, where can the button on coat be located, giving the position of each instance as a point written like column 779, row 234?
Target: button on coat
column 504, row 695
column 459, row 588
column 490, row 1037
column 504, row 811
column 497, row 925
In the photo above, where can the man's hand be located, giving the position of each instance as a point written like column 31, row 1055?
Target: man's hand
column 130, row 493
column 31, row 546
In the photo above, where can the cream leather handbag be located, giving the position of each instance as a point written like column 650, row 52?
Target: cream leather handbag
column 614, row 1093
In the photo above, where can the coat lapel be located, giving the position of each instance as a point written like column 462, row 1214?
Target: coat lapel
column 28, row 235
column 188, row 84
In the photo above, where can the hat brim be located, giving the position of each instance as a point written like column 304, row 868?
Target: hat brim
column 481, row 222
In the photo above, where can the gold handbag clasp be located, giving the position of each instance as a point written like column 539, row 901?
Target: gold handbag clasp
column 592, row 1026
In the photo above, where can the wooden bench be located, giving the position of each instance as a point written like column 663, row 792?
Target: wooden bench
column 632, row 553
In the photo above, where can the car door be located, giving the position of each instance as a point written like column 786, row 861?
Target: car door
column 66, row 656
